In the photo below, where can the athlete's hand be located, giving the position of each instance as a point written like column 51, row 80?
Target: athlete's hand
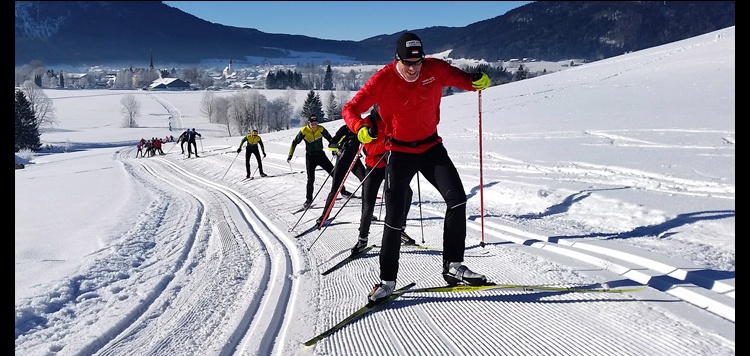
column 480, row 81
column 364, row 135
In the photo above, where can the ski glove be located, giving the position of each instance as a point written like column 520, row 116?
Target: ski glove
column 264, row 155
column 239, row 150
column 364, row 135
column 480, row 81
column 289, row 159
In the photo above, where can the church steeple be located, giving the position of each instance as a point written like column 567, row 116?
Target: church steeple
column 228, row 70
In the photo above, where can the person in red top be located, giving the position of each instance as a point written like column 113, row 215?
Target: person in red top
column 374, row 174
column 157, row 146
column 139, row 153
column 408, row 93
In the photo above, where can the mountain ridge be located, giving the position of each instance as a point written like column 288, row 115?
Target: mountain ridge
column 61, row 33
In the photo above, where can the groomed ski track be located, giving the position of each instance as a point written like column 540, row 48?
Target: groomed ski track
column 219, row 269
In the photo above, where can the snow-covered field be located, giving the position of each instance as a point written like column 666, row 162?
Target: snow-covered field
column 616, row 173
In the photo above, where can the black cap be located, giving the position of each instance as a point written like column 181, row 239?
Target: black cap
column 313, row 119
column 409, row 46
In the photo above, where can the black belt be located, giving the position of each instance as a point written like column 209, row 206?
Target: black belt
column 417, row 143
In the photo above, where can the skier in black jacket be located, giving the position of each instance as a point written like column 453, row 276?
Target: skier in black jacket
column 345, row 145
column 191, row 142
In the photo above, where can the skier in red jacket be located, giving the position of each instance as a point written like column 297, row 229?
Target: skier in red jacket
column 408, row 93
column 375, row 172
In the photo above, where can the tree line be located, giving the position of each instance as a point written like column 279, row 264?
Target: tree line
column 249, row 110
column 301, row 78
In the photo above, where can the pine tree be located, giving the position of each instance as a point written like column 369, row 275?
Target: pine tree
column 332, row 109
column 520, row 74
column 328, row 79
column 313, row 106
column 27, row 127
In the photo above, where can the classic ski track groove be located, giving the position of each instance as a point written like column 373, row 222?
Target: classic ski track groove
column 262, row 323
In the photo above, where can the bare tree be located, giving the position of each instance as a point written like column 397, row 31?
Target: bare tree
column 124, row 80
column 144, row 77
column 190, row 75
column 208, row 105
column 343, row 97
column 290, row 95
column 205, row 80
column 222, row 107
column 131, row 107
column 279, row 113
column 41, row 103
column 29, row 71
column 235, row 110
column 259, row 105
column 248, row 110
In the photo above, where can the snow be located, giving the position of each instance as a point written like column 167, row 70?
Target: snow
column 616, row 173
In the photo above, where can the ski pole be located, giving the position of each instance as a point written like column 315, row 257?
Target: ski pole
column 481, row 181
column 419, row 195
column 256, row 169
column 343, row 205
column 380, row 212
column 313, row 199
column 230, row 165
column 202, row 151
column 341, row 186
column 170, row 150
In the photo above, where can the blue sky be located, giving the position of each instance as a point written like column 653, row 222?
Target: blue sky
column 350, row 20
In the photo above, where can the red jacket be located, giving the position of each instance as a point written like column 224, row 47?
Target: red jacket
column 374, row 150
column 410, row 111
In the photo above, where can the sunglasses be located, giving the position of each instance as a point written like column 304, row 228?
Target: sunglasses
column 411, row 64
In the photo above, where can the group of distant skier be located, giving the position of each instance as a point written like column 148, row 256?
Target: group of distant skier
column 152, row 147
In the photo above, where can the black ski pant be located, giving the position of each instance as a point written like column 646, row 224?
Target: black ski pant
column 313, row 160
column 252, row 151
column 438, row 169
column 370, row 195
column 339, row 173
column 192, row 144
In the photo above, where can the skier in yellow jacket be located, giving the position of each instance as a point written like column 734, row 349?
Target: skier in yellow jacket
column 253, row 141
column 313, row 135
